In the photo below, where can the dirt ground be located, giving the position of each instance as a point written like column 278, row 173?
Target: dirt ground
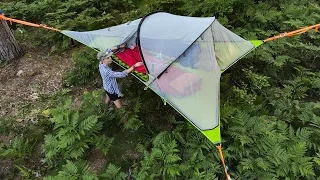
column 24, row 79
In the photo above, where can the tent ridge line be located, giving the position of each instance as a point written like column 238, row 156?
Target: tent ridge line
column 138, row 38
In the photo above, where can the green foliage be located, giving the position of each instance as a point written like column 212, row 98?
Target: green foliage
column 269, row 147
column 129, row 115
column 81, row 170
column 207, row 7
column 75, row 129
column 166, row 160
column 256, row 81
column 25, row 172
column 113, row 173
column 103, row 143
column 85, row 68
column 72, row 171
column 162, row 161
column 20, row 149
column 5, row 125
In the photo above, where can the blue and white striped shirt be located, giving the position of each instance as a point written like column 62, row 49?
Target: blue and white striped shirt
column 109, row 79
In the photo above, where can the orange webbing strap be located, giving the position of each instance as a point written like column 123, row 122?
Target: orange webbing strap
column 292, row 33
column 2, row 17
column 222, row 160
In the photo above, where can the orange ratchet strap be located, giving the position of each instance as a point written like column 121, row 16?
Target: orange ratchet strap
column 296, row 32
column 2, row 17
column 223, row 163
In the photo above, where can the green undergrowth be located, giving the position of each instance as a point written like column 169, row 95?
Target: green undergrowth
column 68, row 124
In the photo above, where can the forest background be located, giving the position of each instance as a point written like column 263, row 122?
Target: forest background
column 270, row 109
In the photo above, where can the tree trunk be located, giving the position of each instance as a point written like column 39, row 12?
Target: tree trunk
column 9, row 48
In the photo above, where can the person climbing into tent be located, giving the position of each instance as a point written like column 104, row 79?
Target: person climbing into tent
column 109, row 77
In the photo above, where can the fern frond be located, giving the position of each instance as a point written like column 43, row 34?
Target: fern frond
column 75, row 119
column 171, row 158
column 103, row 143
column 133, row 123
column 113, row 172
column 71, row 167
column 161, row 138
column 66, row 140
column 88, row 123
column 50, row 142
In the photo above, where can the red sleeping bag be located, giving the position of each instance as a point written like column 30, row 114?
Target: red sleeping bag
column 131, row 57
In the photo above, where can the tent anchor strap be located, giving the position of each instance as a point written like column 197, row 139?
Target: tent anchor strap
column 2, row 17
column 223, row 163
column 293, row 33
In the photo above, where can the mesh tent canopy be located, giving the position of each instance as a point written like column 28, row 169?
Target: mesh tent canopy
column 184, row 58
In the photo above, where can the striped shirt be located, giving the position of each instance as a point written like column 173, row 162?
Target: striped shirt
column 109, row 79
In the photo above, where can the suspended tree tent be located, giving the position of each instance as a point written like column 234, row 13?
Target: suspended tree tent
column 183, row 58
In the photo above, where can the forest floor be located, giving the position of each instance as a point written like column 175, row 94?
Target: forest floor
column 22, row 82
column 25, row 79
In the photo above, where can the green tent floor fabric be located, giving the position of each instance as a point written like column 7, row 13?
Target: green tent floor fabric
column 256, row 43
column 213, row 135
